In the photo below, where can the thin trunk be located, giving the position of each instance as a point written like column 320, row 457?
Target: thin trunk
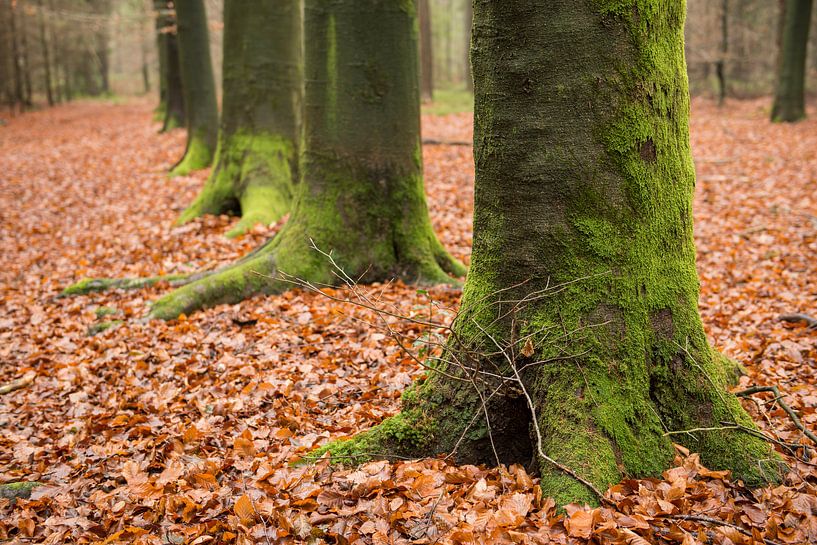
column 361, row 194
column 175, row 111
column 15, row 57
column 256, row 162
column 579, row 338
column 721, row 66
column 160, row 7
column 46, row 56
column 426, row 52
column 469, row 19
column 789, row 99
column 24, row 58
column 198, row 86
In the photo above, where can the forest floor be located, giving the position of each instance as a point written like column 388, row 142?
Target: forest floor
column 181, row 432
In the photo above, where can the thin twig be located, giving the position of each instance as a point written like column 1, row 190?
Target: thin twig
column 783, row 405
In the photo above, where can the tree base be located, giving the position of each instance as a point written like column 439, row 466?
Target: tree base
column 197, row 156
column 252, row 177
column 290, row 258
column 587, row 423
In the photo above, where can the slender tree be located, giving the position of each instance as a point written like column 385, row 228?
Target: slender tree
column 256, row 160
column 198, row 86
column 361, row 195
column 426, row 51
column 721, row 64
column 171, row 97
column 25, row 59
column 468, row 16
column 160, row 20
column 579, row 345
column 789, row 98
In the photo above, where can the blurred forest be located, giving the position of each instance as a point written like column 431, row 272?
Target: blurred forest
column 57, row 50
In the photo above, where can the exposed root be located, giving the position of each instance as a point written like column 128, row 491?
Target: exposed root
column 91, row 285
column 15, row 490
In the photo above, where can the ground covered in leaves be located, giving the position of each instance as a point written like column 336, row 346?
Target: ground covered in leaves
column 182, row 432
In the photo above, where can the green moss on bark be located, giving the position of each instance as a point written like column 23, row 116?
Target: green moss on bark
column 583, row 272
column 199, row 155
column 253, row 176
column 361, row 194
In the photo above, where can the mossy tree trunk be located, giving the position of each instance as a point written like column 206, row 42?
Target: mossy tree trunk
column 256, row 160
column 361, row 194
column 789, row 98
column 582, row 294
column 198, row 86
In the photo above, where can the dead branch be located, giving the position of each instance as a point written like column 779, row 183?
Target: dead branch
column 778, row 398
column 19, row 384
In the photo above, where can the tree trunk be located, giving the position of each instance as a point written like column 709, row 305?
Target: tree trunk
column 426, row 52
column 789, row 99
column 361, row 195
column 46, row 57
column 721, row 66
column 175, row 115
column 469, row 19
column 256, row 162
column 579, row 334
column 198, row 86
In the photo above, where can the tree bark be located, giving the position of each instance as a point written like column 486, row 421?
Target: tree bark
column 361, row 194
column 579, row 334
column 256, row 162
column 175, row 112
column 426, row 52
column 789, row 99
column 198, row 87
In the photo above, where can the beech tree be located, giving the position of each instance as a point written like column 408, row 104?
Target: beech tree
column 361, row 194
column 579, row 348
column 256, row 161
column 789, row 97
column 198, row 86
column 171, row 98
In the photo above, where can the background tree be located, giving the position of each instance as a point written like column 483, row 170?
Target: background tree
column 579, row 344
column 198, row 86
column 256, row 162
column 426, row 51
column 171, row 95
column 789, row 99
column 361, row 195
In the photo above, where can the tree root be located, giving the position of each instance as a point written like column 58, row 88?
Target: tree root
column 10, row 491
column 91, row 285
